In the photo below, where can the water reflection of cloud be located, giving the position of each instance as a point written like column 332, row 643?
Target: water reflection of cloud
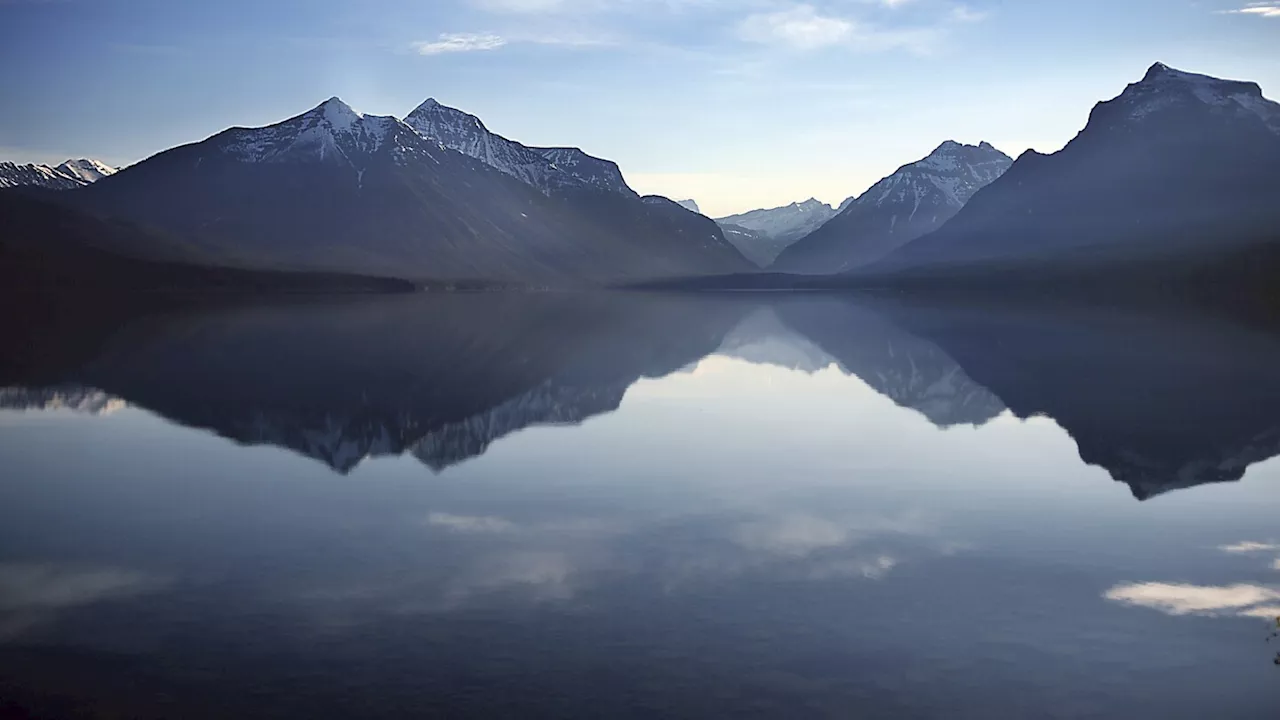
column 490, row 558
column 33, row 593
column 1179, row 599
column 1238, row 600
column 799, row 535
column 871, row 568
column 1250, row 547
column 470, row 523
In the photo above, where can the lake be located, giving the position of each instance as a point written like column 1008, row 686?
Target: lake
column 632, row 505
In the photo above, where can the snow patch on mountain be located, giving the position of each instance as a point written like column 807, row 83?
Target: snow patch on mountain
column 465, row 133
column 547, row 169
column 67, row 176
column 87, row 169
column 596, row 172
column 332, row 132
column 953, row 171
column 1164, row 87
column 915, row 200
column 790, row 221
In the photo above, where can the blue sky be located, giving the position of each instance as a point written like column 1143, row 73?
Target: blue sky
column 736, row 103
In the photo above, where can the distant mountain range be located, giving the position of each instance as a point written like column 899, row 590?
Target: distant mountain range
column 1177, row 163
column 67, row 176
column 914, row 201
column 762, row 234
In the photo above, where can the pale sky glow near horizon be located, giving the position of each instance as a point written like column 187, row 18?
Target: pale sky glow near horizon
column 738, row 104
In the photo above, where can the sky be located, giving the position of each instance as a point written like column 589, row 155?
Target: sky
column 738, row 104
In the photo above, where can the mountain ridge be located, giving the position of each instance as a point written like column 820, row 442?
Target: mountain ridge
column 331, row 189
column 68, row 175
column 917, row 198
column 1175, row 162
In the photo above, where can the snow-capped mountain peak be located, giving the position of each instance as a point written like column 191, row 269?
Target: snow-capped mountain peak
column 955, row 170
column 547, row 169
column 337, row 114
column 915, row 200
column 331, row 132
column 67, row 176
column 467, row 134
column 1165, row 88
column 437, row 115
column 87, row 169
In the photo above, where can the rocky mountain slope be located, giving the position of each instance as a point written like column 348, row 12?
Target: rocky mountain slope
column 917, row 199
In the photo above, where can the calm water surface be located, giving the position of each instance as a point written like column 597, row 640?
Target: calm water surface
column 634, row 506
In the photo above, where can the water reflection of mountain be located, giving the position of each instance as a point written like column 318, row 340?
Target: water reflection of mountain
column 75, row 398
column 1160, row 402
column 439, row 376
column 908, row 369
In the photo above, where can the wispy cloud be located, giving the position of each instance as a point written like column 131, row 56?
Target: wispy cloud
column 459, row 43
column 1259, row 9
column 801, row 27
column 804, row 27
column 966, row 14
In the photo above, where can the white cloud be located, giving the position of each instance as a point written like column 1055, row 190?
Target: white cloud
column 1260, row 9
column 459, row 42
column 567, row 7
column 801, row 27
column 966, row 14
column 522, row 6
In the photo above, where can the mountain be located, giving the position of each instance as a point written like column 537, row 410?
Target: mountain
column 466, row 133
column 756, row 246
column 87, row 169
column 548, row 169
column 917, row 199
column 593, row 188
column 593, row 171
column 334, row 190
column 690, row 205
column 69, row 175
column 1177, row 163
column 776, row 228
